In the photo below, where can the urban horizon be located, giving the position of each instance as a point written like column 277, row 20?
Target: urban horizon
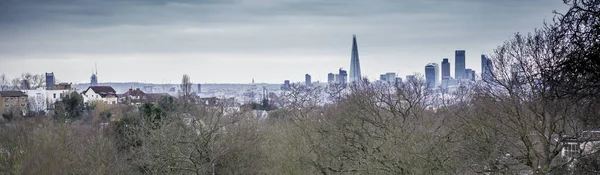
column 234, row 42
column 422, row 73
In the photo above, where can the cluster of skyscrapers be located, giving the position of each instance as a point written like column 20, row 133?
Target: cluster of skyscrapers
column 461, row 73
column 390, row 77
column 436, row 76
column 342, row 76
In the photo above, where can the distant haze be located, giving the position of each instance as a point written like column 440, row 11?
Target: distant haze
column 234, row 41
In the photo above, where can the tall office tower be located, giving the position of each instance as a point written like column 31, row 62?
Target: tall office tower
column 354, row 62
column 445, row 69
column 343, row 76
column 200, row 88
column 487, row 68
column 330, row 78
column 94, row 78
column 459, row 68
column 437, row 74
column 50, row 81
column 307, row 79
column 430, row 75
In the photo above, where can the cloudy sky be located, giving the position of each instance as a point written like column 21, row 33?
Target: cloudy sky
column 233, row 41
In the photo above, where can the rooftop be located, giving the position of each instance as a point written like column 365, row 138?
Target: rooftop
column 12, row 94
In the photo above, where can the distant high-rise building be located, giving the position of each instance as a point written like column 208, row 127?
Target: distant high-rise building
column 445, row 69
column 383, row 77
column 286, row 85
column 200, row 87
column 343, row 76
column 330, row 78
column 469, row 74
column 487, row 68
column 307, row 79
column 50, row 81
column 437, row 74
column 459, row 68
column 398, row 80
column 94, row 78
column 430, row 75
column 354, row 62
column 390, row 77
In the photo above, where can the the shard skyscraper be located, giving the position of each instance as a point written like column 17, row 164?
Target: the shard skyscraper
column 354, row 62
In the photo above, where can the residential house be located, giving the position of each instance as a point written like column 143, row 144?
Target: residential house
column 139, row 97
column 13, row 99
column 588, row 142
column 104, row 94
column 214, row 101
column 43, row 99
column 63, row 86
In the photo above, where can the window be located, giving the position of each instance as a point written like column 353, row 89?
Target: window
column 5, row 105
column 570, row 149
column 22, row 105
column 22, row 98
column 54, row 95
column 5, row 99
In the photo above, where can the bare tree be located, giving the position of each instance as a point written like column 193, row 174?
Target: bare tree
column 16, row 83
column 577, row 36
column 4, row 83
column 37, row 104
column 201, row 140
column 186, row 89
column 335, row 91
column 380, row 129
column 520, row 106
column 28, row 81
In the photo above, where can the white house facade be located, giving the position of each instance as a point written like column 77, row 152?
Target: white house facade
column 43, row 100
column 104, row 94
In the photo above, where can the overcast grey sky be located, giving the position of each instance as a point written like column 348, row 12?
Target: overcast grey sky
column 219, row 41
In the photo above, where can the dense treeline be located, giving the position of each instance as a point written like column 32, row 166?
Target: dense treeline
column 544, row 89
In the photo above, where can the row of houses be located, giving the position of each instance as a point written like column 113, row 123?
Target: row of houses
column 44, row 100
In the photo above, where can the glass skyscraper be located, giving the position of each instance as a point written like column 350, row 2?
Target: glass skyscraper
column 354, row 62
column 330, row 78
column 459, row 61
column 430, row 75
column 487, row 68
column 445, row 69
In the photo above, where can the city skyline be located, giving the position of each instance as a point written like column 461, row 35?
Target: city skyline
column 234, row 42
